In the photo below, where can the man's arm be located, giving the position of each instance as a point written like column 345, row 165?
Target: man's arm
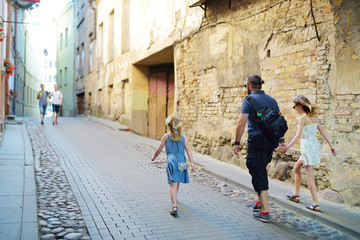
column 240, row 127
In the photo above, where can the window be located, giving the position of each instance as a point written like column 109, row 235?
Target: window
column 125, row 26
column 66, row 36
column 34, row 97
column 77, row 63
column 82, row 60
column 61, row 41
column 111, row 36
column 45, row 64
column 100, row 48
column 50, row 64
column 91, row 56
column 50, row 79
column 27, row 95
column 60, row 78
column 65, row 76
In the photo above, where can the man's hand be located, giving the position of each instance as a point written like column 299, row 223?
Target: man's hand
column 236, row 149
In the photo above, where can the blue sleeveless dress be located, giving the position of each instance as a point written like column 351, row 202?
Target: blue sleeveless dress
column 310, row 146
column 173, row 149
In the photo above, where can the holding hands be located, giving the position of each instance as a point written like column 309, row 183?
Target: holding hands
column 283, row 149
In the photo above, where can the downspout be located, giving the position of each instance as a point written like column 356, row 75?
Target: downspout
column 23, row 99
column 15, row 62
column 8, row 54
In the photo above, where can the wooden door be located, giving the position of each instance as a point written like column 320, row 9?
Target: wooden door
column 161, row 101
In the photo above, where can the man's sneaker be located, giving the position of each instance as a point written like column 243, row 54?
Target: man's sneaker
column 53, row 122
column 262, row 217
column 56, row 123
column 256, row 207
column 42, row 122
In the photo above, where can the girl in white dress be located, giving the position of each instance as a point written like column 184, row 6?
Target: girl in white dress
column 310, row 149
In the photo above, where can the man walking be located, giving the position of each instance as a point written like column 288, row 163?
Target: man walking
column 56, row 103
column 43, row 101
column 259, row 149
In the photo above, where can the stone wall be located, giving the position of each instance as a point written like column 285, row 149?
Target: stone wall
column 278, row 41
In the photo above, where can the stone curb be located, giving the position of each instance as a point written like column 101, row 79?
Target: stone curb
column 29, row 221
column 332, row 222
column 109, row 124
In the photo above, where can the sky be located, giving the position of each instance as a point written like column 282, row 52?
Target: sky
column 42, row 33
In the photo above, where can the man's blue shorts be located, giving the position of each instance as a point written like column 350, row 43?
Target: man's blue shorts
column 42, row 108
column 56, row 108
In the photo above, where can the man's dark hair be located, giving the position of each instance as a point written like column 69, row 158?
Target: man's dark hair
column 256, row 81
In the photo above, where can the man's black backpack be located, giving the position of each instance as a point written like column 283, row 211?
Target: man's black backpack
column 271, row 122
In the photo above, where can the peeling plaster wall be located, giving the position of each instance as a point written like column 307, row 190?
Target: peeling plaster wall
column 119, row 86
column 281, row 45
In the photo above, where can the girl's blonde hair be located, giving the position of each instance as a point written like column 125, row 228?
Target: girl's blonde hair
column 306, row 105
column 174, row 125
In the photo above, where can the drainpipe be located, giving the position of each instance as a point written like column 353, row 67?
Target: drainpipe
column 15, row 62
column 8, row 54
column 23, row 92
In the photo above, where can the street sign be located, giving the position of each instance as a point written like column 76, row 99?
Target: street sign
column 25, row 4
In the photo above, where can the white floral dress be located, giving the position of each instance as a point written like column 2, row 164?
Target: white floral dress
column 310, row 146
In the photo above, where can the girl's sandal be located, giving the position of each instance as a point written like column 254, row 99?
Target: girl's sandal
column 313, row 207
column 292, row 197
column 174, row 211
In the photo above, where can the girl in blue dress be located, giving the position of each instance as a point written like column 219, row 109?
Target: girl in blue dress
column 310, row 149
column 175, row 144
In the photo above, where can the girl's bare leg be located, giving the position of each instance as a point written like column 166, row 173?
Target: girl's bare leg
column 297, row 172
column 177, row 187
column 312, row 185
column 173, row 193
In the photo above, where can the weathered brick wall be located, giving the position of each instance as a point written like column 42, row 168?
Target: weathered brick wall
column 282, row 46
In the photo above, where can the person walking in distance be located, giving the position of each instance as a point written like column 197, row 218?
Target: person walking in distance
column 175, row 144
column 259, row 149
column 56, row 103
column 310, row 148
column 43, row 97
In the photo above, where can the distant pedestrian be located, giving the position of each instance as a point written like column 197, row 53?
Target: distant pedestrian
column 43, row 97
column 175, row 144
column 259, row 149
column 310, row 148
column 56, row 103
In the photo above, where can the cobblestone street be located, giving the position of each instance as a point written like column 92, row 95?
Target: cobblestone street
column 122, row 195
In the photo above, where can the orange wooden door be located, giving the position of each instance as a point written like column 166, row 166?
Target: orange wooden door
column 161, row 102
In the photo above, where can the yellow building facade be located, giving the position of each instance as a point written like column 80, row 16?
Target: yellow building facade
column 133, row 77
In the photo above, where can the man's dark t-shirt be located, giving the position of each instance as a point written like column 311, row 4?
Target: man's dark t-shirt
column 265, row 101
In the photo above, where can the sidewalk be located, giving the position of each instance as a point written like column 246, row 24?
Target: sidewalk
column 338, row 216
column 18, row 214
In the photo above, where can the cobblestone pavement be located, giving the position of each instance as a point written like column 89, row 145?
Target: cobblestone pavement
column 122, row 195
column 59, row 215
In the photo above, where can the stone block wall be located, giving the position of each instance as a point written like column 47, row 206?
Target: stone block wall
column 278, row 41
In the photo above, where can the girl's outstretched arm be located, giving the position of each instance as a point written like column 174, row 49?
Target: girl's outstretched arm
column 189, row 153
column 327, row 138
column 160, row 148
column 300, row 128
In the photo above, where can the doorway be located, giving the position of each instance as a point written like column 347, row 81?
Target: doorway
column 161, row 99
column 80, row 103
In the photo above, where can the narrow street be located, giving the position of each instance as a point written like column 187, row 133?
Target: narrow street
column 122, row 194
